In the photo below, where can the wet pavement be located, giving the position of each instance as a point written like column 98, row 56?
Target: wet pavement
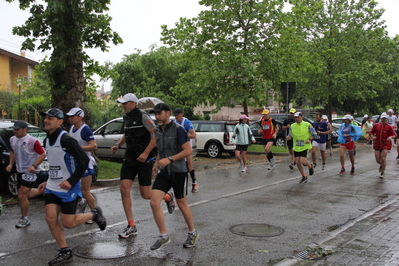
column 259, row 217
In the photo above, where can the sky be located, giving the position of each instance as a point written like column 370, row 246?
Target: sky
column 139, row 24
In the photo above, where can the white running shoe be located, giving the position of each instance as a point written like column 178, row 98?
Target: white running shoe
column 244, row 169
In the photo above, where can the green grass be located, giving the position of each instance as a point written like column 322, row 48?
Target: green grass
column 108, row 170
column 260, row 148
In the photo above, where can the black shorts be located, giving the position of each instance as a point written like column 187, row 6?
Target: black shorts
column 241, row 147
column 290, row 143
column 41, row 177
column 265, row 141
column 177, row 181
column 131, row 168
column 301, row 153
column 66, row 207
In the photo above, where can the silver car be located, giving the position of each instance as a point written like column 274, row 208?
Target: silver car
column 110, row 133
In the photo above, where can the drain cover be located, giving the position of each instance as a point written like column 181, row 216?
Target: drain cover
column 256, row 230
column 107, row 250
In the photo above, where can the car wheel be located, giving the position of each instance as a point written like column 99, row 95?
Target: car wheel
column 280, row 142
column 13, row 184
column 214, row 150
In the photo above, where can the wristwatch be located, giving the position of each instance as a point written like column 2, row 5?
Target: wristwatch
column 170, row 159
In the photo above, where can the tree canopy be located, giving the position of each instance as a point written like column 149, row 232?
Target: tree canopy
column 67, row 27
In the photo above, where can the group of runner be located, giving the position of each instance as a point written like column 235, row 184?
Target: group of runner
column 303, row 136
column 163, row 151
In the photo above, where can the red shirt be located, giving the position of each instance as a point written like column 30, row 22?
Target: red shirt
column 382, row 132
column 269, row 128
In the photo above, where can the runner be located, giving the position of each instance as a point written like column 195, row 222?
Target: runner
column 328, row 145
column 286, row 125
column 138, row 133
column 392, row 121
column 68, row 162
column 84, row 135
column 268, row 129
column 186, row 124
column 367, row 126
column 382, row 133
column 348, row 134
column 27, row 153
column 319, row 142
column 242, row 137
column 171, row 172
column 302, row 134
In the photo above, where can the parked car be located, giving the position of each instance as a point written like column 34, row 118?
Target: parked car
column 109, row 134
column 338, row 122
column 280, row 138
column 8, row 181
column 214, row 137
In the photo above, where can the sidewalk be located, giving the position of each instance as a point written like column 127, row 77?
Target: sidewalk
column 371, row 239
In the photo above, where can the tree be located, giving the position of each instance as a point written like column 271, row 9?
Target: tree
column 349, row 48
column 152, row 74
column 67, row 27
column 235, row 50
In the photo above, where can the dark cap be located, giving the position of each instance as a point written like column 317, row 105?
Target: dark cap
column 55, row 112
column 19, row 124
column 178, row 111
column 161, row 106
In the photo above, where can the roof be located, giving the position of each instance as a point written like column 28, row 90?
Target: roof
column 18, row 57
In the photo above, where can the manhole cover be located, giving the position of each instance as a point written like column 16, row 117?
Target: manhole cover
column 256, row 230
column 107, row 250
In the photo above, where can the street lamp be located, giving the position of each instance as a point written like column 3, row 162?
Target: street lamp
column 19, row 84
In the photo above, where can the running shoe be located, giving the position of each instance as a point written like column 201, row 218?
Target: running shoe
column 304, row 179
column 82, row 205
column 311, row 170
column 62, row 257
column 128, row 232
column 240, row 165
column 323, row 167
column 352, row 170
column 171, row 203
column 89, row 222
column 244, row 169
column 272, row 162
column 100, row 219
column 382, row 175
column 397, row 158
column 270, row 167
column 190, row 242
column 314, row 165
column 342, row 171
column 23, row 222
column 195, row 188
column 160, row 243
column 291, row 166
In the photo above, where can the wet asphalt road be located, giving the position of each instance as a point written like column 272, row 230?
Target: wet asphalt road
column 226, row 198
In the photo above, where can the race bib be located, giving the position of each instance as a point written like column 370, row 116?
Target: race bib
column 317, row 137
column 299, row 143
column 266, row 127
column 55, row 172
column 29, row 177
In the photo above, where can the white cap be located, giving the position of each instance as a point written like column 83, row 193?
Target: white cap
column 384, row 115
column 129, row 97
column 366, row 116
column 76, row 111
column 297, row 114
column 349, row 117
column 324, row 117
column 390, row 111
